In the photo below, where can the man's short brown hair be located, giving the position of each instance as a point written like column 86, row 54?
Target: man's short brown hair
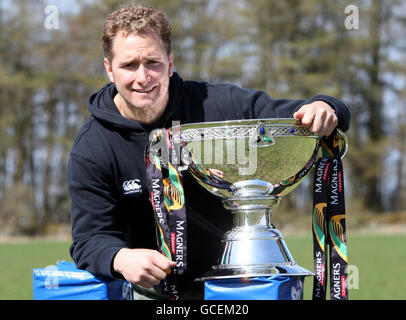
column 135, row 18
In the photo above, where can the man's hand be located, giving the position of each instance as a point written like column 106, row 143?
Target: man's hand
column 144, row 267
column 318, row 117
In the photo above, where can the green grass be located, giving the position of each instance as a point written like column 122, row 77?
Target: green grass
column 381, row 262
column 17, row 261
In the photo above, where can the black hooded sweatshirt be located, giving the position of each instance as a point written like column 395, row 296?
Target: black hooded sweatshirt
column 108, row 155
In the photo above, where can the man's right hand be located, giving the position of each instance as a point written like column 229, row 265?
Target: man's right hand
column 143, row 267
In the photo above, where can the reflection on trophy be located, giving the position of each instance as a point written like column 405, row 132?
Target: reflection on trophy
column 251, row 165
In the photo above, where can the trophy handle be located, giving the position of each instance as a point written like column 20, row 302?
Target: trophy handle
column 344, row 143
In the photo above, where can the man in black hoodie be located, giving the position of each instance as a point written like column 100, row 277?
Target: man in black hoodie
column 112, row 218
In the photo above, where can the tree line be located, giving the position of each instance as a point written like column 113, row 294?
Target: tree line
column 51, row 61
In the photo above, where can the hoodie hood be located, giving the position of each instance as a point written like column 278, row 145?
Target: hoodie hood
column 102, row 107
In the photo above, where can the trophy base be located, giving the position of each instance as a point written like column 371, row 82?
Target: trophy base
column 258, row 251
column 283, row 269
column 253, row 247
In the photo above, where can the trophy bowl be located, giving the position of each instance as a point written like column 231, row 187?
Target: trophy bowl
column 251, row 165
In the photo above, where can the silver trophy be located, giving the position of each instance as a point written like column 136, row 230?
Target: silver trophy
column 251, row 165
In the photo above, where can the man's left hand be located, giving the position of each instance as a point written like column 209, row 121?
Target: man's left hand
column 318, row 116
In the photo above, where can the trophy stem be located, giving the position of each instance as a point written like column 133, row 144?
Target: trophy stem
column 243, row 218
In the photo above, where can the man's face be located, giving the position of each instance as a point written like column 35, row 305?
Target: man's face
column 140, row 69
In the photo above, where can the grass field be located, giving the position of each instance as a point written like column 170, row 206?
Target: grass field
column 380, row 259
